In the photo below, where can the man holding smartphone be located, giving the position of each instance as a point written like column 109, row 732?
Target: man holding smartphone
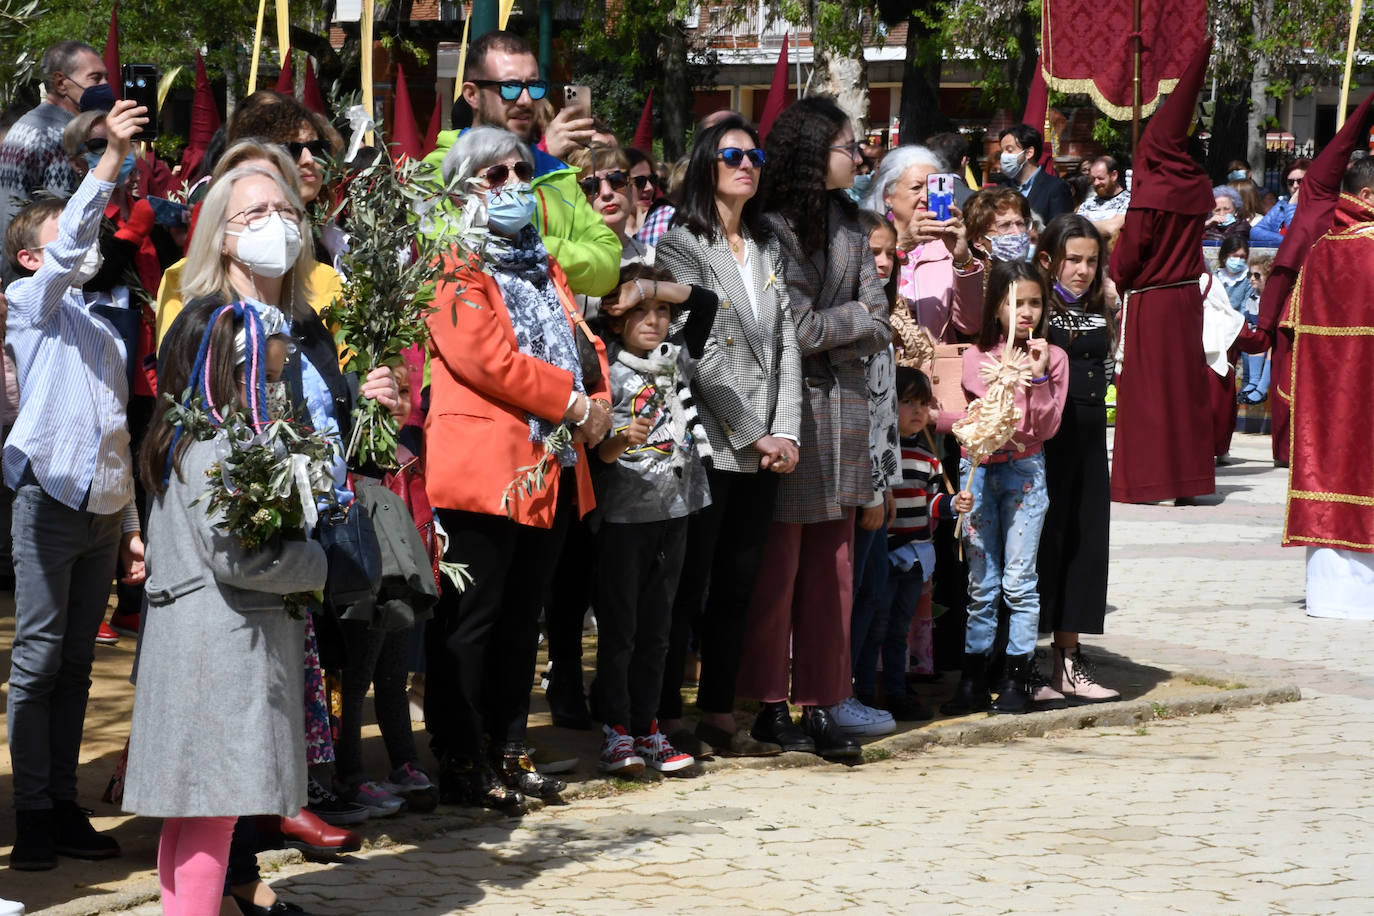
column 503, row 88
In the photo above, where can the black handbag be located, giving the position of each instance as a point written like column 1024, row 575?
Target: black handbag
column 355, row 558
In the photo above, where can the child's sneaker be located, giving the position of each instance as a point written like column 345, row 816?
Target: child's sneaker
column 331, row 809
column 378, row 801
column 659, row 754
column 414, row 785
column 857, row 720
column 618, row 755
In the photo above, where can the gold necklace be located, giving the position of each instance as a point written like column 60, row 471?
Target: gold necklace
column 736, row 246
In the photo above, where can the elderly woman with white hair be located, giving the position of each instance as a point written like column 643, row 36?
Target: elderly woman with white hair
column 939, row 279
column 512, row 386
column 1226, row 220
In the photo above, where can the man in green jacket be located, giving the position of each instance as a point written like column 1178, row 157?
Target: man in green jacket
column 498, row 64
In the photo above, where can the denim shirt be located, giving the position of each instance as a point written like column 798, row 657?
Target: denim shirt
column 319, row 402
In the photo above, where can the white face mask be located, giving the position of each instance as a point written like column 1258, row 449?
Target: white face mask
column 270, row 248
column 91, row 263
column 1011, row 164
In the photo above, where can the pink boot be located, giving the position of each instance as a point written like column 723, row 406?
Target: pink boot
column 1075, row 679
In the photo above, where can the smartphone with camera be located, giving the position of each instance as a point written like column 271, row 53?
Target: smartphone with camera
column 140, row 85
column 940, row 194
column 578, row 97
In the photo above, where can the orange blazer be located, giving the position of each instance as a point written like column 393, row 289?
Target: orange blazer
column 482, row 389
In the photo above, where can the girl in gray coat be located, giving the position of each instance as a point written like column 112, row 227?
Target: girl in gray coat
column 218, row 727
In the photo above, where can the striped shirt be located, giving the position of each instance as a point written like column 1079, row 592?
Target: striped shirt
column 73, row 384
column 920, row 499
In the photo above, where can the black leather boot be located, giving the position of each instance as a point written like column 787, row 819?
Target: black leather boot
column 74, row 836
column 517, row 772
column 774, row 725
column 1014, row 691
column 831, row 743
column 972, row 693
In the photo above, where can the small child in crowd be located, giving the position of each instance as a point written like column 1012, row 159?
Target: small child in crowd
column 910, row 556
column 652, row 477
column 1008, row 498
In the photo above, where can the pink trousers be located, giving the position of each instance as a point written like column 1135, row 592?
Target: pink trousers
column 799, row 616
column 192, row 857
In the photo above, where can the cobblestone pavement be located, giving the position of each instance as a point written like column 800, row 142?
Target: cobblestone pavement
column 1262, row 810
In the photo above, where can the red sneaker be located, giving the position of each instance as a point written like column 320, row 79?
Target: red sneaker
column 125, row 624
column 106, row 636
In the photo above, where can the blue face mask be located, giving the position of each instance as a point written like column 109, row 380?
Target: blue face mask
column 1235, row 265
column 510, row 208
column 99, row 97
column 1228, row 219
column 861, row 185
column 126, row 167
column 1236, row 175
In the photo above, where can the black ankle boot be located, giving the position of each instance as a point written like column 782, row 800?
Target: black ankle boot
column 774, row 724
column 831, row 743
column 474, row 783
column 518, row 772
column 972, row 694
column 73, row 835
column 1013, row 691
column 33, row 850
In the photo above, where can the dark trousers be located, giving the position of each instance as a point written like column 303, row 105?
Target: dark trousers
column 724, row 550
column 563, row 615
column 482, row 642
column 377, row 659
column 637, row 576
column 870, row 584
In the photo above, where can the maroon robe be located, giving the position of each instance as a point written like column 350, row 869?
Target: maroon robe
column 1163, row 445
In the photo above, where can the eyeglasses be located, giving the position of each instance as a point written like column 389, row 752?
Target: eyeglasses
column 1256, row 275
column 643, row 181
column 851, row 149
column 497, row 174
column 591, row 186
column 1294, row 182
column 511, row 89
column 258, row 214
column 734, row 157
column 93, row 145
column 319, row 149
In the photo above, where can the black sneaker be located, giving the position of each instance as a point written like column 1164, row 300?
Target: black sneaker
column 74, row 836
column 331, row 809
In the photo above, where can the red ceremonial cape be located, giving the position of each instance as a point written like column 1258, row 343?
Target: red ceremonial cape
column 1331, row 317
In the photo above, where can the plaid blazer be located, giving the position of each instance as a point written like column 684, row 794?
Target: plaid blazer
column 841, row 314
column 748, row 381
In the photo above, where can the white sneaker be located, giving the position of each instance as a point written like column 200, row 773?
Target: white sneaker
column 859, row 721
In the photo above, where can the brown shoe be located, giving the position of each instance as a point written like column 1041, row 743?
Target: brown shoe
column 685, row 740
column 738, row 744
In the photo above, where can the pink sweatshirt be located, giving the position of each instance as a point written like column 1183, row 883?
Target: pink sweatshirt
column 1041, row 403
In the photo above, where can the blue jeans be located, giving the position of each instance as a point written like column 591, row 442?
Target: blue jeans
column 64, row 562
column 888, row 633
column 1001, row 539
column 1256, row 372
column 870, row 582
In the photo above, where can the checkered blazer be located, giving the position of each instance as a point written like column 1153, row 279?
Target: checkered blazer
column 748, row 382
column 841, row 313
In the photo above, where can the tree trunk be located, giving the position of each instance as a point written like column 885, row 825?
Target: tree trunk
column 1229, row 125
column 675, row 100
column 847, row 81
column 1021, row 68
column 1259, row 104
column 920, row 112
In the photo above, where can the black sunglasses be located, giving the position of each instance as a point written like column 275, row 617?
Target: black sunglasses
column 319, row 149
column 734, row 157
column 511, row 89
column 643, row 181
column 497, row 174
column 592, row 185
column 94, row 145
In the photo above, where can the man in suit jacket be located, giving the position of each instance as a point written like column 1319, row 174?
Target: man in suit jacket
column 1021, row 145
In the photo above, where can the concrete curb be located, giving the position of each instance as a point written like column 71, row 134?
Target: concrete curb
column 969, row 731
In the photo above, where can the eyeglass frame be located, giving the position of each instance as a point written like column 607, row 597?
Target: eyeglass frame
column 591, row 185
column 520, row 166
column 756, row 156
column 852, row 148
column 320, row 148
column 296, row 213
column 524, row 86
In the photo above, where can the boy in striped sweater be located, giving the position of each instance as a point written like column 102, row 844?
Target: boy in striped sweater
column 911, row 556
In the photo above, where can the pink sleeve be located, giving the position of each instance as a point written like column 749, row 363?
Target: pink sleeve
column 967, row 314
column 1044, row 406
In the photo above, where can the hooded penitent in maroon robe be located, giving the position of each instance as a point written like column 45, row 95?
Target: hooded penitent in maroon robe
column 1331, row 318
column 1163, row 445
column 1316, row 205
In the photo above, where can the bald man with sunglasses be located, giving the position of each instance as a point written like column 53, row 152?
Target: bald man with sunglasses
column 503, row 89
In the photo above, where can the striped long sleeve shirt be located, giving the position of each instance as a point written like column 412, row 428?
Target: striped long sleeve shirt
column 920, row 499
column 71, row 431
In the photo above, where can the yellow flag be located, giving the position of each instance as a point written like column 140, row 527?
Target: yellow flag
column 505, row 9
column 1349, row 61
column 164, row 85
column 257, row 47
column 283, row 32
column 365, row 29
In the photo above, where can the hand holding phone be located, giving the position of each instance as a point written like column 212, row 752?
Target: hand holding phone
column 578, row 97
column 940, row 194
column 140, row 85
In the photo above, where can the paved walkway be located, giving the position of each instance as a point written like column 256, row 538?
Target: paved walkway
column 1263, row 810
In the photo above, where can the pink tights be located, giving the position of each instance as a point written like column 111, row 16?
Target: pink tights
column 192, row 857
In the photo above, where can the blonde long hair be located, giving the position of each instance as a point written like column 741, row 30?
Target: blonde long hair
column 207, row 271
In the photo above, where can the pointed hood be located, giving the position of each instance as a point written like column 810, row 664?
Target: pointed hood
column 310, row 95
column 1037, row 110
column 1166, row 177
column 777, row 94
column 205, row 121
column 405, row 133
column 286, row 80
column 644, row 133
column 435, row 119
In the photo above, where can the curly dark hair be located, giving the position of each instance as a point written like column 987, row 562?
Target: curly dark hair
column 793, row 184
column 698, row 212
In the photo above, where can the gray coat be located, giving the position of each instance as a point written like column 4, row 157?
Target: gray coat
column 748, row 380
column 840, row 311
column 218, row 724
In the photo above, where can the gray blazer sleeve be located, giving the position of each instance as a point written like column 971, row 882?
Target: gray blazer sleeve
column 874, row 302
column 787, row 416
column 280, row 568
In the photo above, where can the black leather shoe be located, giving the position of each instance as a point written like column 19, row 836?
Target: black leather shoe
column 475, row 784
column 972, row 694
column 1013, row 694
column 831, row 743
column 518, row 772
column 280, row 908
column 33, row 850
column 774, row 725
column 73, row 835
